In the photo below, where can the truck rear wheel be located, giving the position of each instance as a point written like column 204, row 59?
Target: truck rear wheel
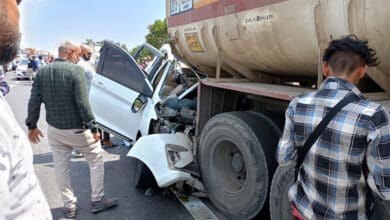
column 237, row 160
column 281, row 182
column 143, row 177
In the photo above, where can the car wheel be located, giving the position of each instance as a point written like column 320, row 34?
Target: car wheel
column 143, row 177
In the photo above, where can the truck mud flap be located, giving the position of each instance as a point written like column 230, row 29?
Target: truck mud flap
column 164, row 155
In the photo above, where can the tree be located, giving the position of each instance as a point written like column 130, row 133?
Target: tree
column 158, row 33
column 124, row 47
column 89, row 42
column 132, row 51
column 144, row 53
column 157, row 36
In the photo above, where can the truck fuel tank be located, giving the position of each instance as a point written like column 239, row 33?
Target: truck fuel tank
column 274, row 39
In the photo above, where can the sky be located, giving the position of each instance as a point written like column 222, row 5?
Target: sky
column 47, row 23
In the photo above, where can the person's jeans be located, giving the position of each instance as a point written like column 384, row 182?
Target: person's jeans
column 62, row 142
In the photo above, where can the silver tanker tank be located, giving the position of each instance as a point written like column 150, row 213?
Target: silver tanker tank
column 274, row 39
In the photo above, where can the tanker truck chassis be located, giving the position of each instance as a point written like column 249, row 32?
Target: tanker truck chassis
column 231, row 156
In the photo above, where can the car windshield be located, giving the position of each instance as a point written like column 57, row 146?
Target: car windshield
column 179, row 79
column 23, row 62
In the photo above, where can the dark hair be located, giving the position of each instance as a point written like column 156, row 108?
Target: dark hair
column 349, row 52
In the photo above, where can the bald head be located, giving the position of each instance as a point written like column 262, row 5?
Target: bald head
column 62, row 51
column 85, row 52
column 69, row 51
column 9, row 30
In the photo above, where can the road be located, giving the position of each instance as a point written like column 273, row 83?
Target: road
column 133, row 204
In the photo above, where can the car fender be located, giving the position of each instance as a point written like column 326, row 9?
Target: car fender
column 164, row 155
column 148, row 114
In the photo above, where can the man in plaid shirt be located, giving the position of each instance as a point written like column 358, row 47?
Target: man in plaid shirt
column 332, row 181
column 71, row 125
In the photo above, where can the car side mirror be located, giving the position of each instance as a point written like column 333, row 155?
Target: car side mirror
column 139, row 104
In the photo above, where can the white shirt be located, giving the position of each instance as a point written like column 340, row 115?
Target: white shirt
column 21, row 196
column 89, row 72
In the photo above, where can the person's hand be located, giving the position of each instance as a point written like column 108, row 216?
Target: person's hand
column 34, row 135
column 96, row 136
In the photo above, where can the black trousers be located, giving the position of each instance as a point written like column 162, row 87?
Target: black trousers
column 105, row 136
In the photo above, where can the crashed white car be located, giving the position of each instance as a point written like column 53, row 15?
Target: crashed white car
column 160, row 102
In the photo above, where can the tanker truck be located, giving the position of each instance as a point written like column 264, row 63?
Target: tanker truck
column 258, row 55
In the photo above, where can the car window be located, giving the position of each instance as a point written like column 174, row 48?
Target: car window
column 159, row 75
column 119, row 67
column 150, row 64
column 149, row 59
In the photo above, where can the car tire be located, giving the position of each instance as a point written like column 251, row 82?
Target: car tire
column 143, row 177
column 282, row 181
column 237, row 160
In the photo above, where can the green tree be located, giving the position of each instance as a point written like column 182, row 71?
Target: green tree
column 157, row 36
column 158, row 33
column 124, row 46
column 144, row 53
column 132, row 51
column 89, row 42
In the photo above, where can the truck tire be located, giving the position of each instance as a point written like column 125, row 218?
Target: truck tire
column 281, row 182
column 143, row 177
column 237, row 160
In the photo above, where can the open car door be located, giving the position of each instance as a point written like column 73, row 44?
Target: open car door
column 119, row 81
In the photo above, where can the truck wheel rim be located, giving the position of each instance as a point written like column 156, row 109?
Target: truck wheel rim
column 229, row 167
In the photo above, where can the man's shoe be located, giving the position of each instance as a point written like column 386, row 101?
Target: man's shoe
column 103, row 204
column 77, row 154
column 70, row 212
column 108, row 144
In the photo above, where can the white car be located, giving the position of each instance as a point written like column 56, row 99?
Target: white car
column 22, row 69
column 130, row 102
column 23, row 65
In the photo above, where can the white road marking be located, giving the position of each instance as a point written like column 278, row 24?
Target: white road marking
column 196, row 207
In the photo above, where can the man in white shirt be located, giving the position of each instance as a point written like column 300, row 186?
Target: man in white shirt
column 20, row 194
column 84, row 62
column 89, row 74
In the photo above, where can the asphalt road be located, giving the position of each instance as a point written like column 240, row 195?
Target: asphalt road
column 119, row 169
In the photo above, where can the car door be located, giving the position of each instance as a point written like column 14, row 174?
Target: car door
column 118, row 83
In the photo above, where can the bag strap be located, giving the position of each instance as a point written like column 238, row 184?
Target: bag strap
column 302, row 151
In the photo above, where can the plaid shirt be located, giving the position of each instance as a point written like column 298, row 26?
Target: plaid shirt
column 331, row 183
column 62, row 88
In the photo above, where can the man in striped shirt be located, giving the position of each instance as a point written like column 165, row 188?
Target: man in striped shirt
column 353, row 152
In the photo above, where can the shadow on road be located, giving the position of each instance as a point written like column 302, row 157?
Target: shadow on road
column 43, row 158
column 58, row 213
